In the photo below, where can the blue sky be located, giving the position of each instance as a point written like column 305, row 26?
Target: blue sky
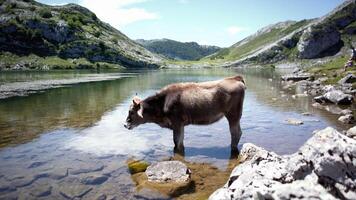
column 213, row 22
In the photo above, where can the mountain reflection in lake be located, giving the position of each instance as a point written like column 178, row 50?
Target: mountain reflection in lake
column 53, row 142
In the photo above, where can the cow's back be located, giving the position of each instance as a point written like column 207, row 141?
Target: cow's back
column 206, row 102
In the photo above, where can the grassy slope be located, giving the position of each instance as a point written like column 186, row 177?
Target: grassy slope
column 237, row 51
column 333, row 68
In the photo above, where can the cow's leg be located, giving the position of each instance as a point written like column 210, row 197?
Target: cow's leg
column 235, row 131
column 178, row 137
column 234, row 116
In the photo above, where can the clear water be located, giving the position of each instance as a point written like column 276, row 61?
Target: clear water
column 52, row 142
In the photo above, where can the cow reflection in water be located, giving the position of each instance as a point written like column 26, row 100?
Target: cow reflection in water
column 178, row 105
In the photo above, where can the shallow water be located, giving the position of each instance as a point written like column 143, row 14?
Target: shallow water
column 53, row 143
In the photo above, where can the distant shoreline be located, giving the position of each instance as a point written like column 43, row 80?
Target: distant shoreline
column 26, row 88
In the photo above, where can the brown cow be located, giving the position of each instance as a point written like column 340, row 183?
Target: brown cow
column 181, row 104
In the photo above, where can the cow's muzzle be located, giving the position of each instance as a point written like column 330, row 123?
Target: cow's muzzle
column 128, row 126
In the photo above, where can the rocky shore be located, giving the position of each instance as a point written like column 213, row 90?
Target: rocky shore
column 323, row 168
column 335, row 98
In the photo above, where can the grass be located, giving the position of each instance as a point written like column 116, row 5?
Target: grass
column 333, row 69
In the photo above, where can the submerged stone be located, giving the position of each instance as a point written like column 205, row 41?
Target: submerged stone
column 168, row 172
column 294, row 121
column 137, row 166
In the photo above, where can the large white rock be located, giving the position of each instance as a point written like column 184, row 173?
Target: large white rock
column 351, row 132
column 168, row 172
column 335, row 96
column 323, row 168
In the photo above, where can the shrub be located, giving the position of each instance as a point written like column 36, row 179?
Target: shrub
column 97, row 34
column 102, row 45
column 114, row 40
column 74, row 20
column 46, row 13
column 9, row 8
column 94, row 17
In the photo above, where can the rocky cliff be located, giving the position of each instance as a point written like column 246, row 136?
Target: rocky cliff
column 306, row 39
column 69, row 32
column 178, row 50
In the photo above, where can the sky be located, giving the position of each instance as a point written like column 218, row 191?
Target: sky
column 209, row 22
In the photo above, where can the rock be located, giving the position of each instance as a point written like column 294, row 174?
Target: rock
column 346, row 119
column 170, row 178
column 306, row 114
column 294, row 121
column 328, row 88
column 168, row 172
column 299, row 190
column 323, row 168
column 73, row 190
column 56, row 173
column 351, row 132
column 293, row 77
column 101, row 197
column 317, row 105
column 36, row 164
column 317, row 39
column 299, row 96
column 94, row 180
column 321, row 80
column 346, row 112
column 335, row 96
column 145, row 194
column 349, row 78
column 137, row 166
column 297, row 71
column 41, row 191
column 84, row 168
column 333, row 109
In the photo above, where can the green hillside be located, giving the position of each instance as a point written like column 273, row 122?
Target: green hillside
column 178, row 50
column 69, row 34
column 257, row 41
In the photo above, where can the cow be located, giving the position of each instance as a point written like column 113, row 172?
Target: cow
column 181, row 104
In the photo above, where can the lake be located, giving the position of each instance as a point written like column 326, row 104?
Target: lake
column 70, row 142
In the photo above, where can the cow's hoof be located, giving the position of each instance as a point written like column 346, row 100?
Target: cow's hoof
column 234, row 153
column 179, row 150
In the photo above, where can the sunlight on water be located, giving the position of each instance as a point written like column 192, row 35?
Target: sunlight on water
column 109, row 136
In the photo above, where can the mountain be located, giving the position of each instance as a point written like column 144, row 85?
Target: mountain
column 295, row 40
column 178, row 50
column 29, row 29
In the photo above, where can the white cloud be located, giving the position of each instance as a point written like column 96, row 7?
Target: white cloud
column 233, row 30
column 117, row 13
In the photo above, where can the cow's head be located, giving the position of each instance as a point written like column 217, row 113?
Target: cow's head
column 135, row 116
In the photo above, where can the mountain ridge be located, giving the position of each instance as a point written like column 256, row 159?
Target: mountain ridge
column 177, row 50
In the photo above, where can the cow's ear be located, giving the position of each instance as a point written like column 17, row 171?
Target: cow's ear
column 170, row 100
column 140, row 111
column 136, row 101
